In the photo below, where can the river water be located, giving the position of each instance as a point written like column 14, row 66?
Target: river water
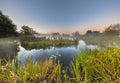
column 64, row 54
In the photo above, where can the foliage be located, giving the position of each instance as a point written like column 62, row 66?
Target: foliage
column 26, row 30
column 7, row 27
column 113, row 30
column 76, row 35
column 56, row 34
column 90, row 32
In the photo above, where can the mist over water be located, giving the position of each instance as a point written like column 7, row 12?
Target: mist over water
column 8, row 49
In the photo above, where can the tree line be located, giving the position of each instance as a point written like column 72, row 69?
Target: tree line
column 8, row 28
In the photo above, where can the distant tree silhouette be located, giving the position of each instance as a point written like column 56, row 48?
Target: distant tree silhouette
column 7, row 27
column 76, row 35
column 56, row 34
column 89, row 32
column 113, row 30
column 26, row 30
column 94, row 33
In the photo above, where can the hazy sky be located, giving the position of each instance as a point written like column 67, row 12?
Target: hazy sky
column 62, row 15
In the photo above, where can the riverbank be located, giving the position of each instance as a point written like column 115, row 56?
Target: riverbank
column 94, row 66
column 30, row 42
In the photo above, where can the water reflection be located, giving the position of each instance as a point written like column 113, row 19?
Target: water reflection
column 8, row 50
column 66, row 53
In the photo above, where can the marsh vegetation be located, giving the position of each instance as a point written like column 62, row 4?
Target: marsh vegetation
column 96, row 66
column 30, row 42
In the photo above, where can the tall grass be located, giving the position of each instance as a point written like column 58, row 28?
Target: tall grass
column 32, row 72
column 96, row 66
column 89, row 66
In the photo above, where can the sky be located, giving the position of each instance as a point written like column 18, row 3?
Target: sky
column 65, row 16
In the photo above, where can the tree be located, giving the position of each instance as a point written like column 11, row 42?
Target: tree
column 76, row 35
column 89, row 32
column 56, row 34
column 93, row 33
column 26, row 30
column 96, row 33
column 113, row 29
column 7, row 27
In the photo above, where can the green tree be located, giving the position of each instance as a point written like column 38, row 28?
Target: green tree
column 94, row 33
column 7, row 27
column 26, row 30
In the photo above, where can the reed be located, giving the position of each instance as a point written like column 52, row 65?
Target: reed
column 97, row 66
column 31, row 72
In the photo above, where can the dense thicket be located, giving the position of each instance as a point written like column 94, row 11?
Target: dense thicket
column 7, row 27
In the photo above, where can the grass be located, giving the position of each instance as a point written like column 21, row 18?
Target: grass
column 34, row 42
column 97, row 66
column 32, row 72
column 89, row 66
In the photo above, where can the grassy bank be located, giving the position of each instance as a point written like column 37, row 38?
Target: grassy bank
column 34, row 42
column 96, row 66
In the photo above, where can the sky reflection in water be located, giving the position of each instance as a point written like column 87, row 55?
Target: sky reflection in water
column 66, row 53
